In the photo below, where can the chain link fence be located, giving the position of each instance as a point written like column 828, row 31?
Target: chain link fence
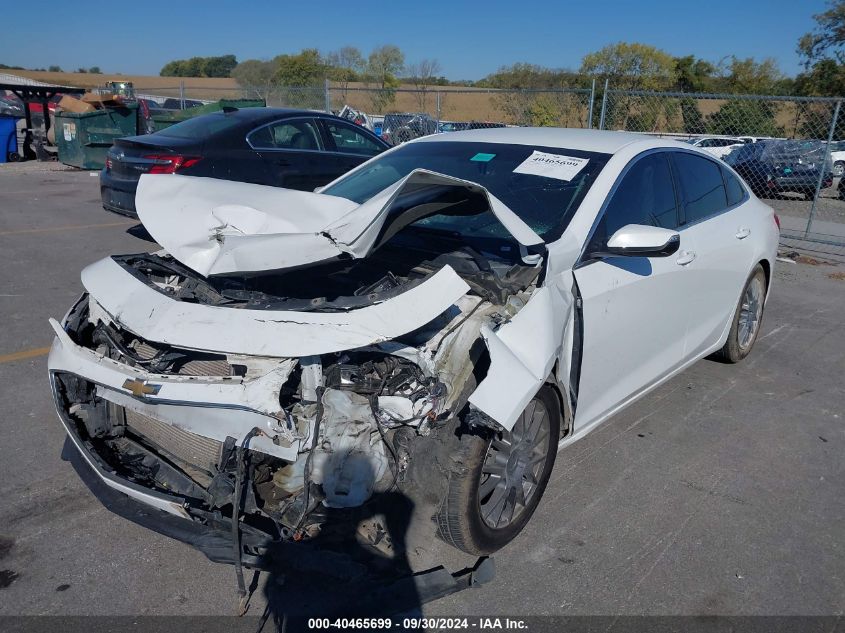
column 790, row 150
column 787, row 149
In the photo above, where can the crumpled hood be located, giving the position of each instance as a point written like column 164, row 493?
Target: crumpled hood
column 218, row 226
column 158, row 317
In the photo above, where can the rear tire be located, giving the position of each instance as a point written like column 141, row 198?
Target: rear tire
column 474, row 513
column 747, row 319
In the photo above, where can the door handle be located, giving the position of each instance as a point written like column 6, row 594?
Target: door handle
column 685, row 258
column 742, row 233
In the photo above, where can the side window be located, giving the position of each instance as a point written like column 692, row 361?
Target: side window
column 702, row 187
column 645, row 195
column 735, row 191
column 708, row 142
column 348, row 139
column 295, row 134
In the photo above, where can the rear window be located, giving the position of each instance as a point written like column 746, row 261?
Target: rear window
column 702, row 186
column 734, row 189
column 200, row 127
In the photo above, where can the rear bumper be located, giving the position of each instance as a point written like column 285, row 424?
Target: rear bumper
column 118, row 195
column 802, row 183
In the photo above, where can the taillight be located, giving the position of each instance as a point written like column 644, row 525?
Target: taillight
column 777, row 220
column 108, row 163
column 170, row 163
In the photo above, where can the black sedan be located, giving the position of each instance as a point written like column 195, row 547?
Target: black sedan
column 772, row 166
column 295, row 149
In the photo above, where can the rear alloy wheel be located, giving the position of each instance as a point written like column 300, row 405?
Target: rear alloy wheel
column 499, row 481
column 838, row 169
column 747, row 318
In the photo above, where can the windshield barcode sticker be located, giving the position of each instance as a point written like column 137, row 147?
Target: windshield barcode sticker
column 551, row 166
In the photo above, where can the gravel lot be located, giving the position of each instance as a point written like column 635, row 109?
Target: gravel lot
column 723, row 492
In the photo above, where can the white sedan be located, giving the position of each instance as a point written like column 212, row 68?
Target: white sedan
column 437, row 323
column 718, row 146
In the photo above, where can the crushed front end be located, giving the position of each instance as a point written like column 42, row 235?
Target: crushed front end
column 297, row 443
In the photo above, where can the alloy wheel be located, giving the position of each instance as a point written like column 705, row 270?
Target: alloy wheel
column 513, row 467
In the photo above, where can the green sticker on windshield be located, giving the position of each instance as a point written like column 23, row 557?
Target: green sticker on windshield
column 483, row 158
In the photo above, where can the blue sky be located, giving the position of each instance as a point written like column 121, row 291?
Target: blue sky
column 470, row 39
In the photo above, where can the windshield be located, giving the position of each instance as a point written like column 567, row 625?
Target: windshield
column 546, row 204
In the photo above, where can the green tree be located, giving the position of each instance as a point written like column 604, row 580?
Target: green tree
column 744, row 116
column 200, row 67
column 175, row 68
column 82, row 70
column 306, row 68
column 524, row 76
column 55, row 69
column 255, row 76
column 95, row 70
column 384, row 64
column 301, row 76
column 631, row 66
column 826, row 78
column 748, row 76
column 828, row 38
column 693, row 75
column 221, row 66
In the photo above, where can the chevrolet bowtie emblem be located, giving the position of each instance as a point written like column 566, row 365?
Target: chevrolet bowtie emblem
column 140, row 387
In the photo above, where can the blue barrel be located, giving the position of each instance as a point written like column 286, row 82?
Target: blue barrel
column 8, row 137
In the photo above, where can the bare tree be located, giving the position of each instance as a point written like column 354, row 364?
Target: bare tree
column 345, row 65
column 421, row 75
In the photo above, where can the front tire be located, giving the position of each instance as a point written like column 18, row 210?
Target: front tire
column 747, row 319
column 496, row 483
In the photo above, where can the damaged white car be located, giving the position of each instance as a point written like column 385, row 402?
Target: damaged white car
column 440, row 321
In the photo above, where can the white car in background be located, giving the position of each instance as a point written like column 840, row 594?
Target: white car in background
column 718, row 146
column 837, row 158
column 440, row 321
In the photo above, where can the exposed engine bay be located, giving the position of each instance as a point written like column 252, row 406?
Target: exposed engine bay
column 330, row 430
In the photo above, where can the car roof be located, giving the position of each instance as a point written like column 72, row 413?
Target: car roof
column 258, row 114
column 602, row 141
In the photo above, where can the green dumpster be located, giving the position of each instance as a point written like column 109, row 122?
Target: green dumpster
column 163, row 120
column 84, row 138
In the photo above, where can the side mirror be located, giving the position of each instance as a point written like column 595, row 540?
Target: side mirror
column 638, row 240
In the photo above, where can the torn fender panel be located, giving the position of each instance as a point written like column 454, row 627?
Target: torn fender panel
column 278, row 333
column 219, row 227
column 522, row 354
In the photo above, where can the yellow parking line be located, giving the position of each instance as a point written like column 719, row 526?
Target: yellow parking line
column 50, row 229
column 27, row 353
